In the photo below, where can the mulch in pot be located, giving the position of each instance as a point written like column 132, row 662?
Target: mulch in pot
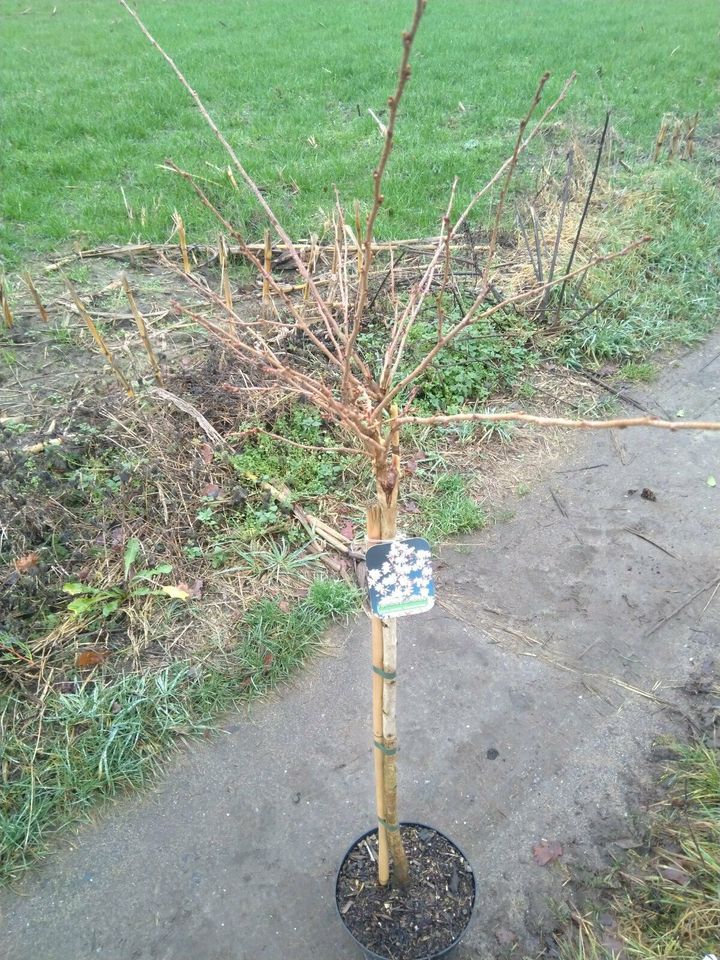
column 419, row 921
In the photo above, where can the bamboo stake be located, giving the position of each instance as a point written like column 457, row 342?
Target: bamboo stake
column 374, row 532
column 7, row 312
column 182, row 240
column 388, row 488
column 28, row 280
column 98, row 338
column 142, row 330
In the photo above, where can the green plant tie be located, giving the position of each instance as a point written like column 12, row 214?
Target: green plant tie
column 390, row 827
column 388, row 751
column 385, row 674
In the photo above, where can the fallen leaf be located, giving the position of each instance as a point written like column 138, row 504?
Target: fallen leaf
column 361, row 574
column 674, row 875
column 413, row 463
column 284, row 605
column 176, row 593
column 711, row 481
column 347, row 530
column 117, row 536
column 211, row 490
column 194, row 592
column 267, row 660
column 648, row 494
column 628, row 843
column 409, row 506
column 546, row 851
column 90, row 658
column 25, row 563
column 206, row 452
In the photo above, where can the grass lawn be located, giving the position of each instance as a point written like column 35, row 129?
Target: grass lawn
column 90, row 110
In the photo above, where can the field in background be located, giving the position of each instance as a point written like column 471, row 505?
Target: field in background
column 90, row 111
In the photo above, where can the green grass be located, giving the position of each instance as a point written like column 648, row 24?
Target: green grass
column 111, row 733
column 449, row 509
column 89, row 108
column 666, row 292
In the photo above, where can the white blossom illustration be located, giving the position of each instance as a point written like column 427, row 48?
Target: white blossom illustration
column 404, row 579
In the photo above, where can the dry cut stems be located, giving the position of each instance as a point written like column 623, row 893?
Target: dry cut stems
column 345, row 386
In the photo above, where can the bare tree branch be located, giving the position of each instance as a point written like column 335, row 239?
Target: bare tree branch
column 511, row 416
column 378, row 173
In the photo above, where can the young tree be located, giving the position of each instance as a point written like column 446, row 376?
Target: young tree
column 374, row 402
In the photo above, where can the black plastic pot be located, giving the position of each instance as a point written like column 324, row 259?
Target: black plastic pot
column 448, row 951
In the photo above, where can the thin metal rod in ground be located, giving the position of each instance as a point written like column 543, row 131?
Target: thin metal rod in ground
column 576, row 241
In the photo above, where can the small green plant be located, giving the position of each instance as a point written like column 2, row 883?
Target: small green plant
column 16, row 427
column 105, row 601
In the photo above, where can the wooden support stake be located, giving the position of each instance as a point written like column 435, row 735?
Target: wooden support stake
column 28, row 280
column 98, row 338
column 374, row 531
column 142, row 330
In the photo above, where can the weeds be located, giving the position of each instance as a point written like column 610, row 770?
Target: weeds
column 95, row 737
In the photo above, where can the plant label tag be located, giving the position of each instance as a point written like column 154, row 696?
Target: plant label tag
column 399, row 577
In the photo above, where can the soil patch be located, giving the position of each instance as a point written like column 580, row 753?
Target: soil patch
column 420, row 920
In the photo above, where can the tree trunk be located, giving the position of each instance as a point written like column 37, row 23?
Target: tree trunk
column 388, row 481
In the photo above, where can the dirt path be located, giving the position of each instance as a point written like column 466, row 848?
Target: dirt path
column 530, row 700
